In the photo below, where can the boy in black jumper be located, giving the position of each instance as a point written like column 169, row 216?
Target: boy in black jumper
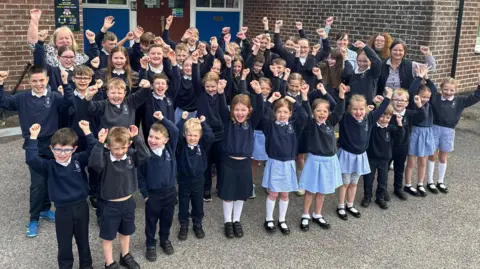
column 41, row 106
column 192, row 151
column 118, row 182
column 68, row 189
column 156, row 181
column 379, row 154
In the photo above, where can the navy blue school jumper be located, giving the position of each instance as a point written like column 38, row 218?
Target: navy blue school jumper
column 102, row 75
column 379, row 154
column 165, row 104
column 110, row 115
column 99, row 36
column 135, row 53
column 118, row 179
column 68, row 190
column 77, row 112
column 44, row 111
column 191, row 165
column 156, row 181
column 345, row 78
column 365, row 83
column 235, row 176
column 207, row 105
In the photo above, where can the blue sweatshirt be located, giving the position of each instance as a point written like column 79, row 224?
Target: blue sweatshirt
column 207, row 105
column 238, row 137
column 355, row 135
column 413, row 90
column 159, row 172
column 68, row 185
column 365, row 83
column 32, row 109
column 192, row 163
column 282, row 140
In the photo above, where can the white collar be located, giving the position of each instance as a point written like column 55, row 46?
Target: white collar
column 320, row 123
column 303, row 60
column 118, row 72
column 361, row 72
column 41, row 95
column 293, row 94
column 65, row 164
column 192, row 146
column 187, row 77
column 79, row 95
column 400, row 113
column 158, row 97
column 158, row 151
column 381, row 126
column 104, row 51
column 113, row 159
column 281, row 123
column 191, row 49
column 118, row 106
column 156, row 70
column 65, row 69
column 445, row 99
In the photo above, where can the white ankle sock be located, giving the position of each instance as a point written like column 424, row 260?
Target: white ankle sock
column 442, row 168
column 282, row 210
column 227, row 211
column 315, row 216
column 270, row 206
column 430, row 170
column 237, row 210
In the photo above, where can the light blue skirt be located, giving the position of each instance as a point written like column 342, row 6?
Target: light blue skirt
column 422, row 142
column 353, row 163
column 178, row 114
column 259, row 153
column 321, row 174
column 280, row 176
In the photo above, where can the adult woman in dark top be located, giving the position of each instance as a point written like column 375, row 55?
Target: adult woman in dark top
column 397, row 71
column 381, row 44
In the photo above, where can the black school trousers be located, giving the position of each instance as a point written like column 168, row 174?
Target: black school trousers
column 160, row 207
column 380, row 166
column 72, row 221
column 399, row 157
column 190, row 190
column 214, row 156
column 39, row 199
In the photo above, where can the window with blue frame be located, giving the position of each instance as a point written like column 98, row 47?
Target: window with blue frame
column 217, row 3
column 111, row 2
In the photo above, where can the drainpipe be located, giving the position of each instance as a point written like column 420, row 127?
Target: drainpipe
column 457, row 38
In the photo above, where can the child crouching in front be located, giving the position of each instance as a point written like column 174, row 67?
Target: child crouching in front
column 118, row 182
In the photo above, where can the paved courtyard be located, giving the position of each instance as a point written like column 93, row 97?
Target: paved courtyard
column 439, row 231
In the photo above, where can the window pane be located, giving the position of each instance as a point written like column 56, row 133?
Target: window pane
column 477, row 44
column 117, row 2
column 203, row 3
column 232, row 3
column 97, row 1
column 218, row 3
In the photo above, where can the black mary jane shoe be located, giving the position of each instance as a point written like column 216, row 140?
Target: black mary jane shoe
column 431, row 188
column 421, row 190
column 441, row 187
column 284, row 231
column 343, row 216
column 355, row 213
column 305, row 227
column 323, row 224
column 411, row 190
column 237, row 229
column 269, row 228
column 229, row 230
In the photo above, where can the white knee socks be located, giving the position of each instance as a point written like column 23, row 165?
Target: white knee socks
column 227, row 211
column 430, row 170
column 282, row 210
column 442, row 168
column 237, row 210
column 270, row 206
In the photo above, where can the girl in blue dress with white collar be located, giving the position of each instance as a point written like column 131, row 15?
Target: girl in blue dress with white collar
column 282, row 135
column 355, row 128
column 321, row 174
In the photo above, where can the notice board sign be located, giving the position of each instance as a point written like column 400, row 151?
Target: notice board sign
column 67, row 14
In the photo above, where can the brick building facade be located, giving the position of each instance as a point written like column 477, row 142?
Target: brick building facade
column 421, row 22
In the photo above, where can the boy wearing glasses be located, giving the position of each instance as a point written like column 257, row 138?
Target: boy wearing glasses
column 68, row 188
column 39, row 105
column 400, row 100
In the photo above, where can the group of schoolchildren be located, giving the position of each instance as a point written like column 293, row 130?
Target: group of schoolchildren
column 229, row 104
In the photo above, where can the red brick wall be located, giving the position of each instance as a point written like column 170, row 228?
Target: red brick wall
column 14, row 20
column 421, row 22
